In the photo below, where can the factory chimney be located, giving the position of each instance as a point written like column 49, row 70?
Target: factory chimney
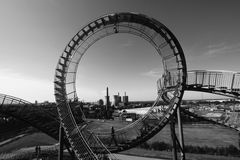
column 107, row 100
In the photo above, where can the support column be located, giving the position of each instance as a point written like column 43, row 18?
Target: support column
column 61, row 135
column 239, row 139
column 173, row 135
column 178, row 143
column 180, row 132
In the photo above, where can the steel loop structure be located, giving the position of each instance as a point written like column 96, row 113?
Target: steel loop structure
column 87, row 143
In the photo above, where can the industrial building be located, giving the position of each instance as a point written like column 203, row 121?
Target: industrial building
column 125, row 99
column 117, row 99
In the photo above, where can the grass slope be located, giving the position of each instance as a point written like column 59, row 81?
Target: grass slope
column 28, row 141
column 168, row 155
column 201, row 135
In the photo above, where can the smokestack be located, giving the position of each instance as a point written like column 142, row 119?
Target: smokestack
column 107, row 105
column 125, row 93
column 107, row 91
column 107, row 100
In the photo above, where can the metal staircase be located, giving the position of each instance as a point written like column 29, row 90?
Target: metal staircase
column 37, row 116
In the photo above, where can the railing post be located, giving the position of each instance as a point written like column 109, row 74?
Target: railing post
column 3, row 100
column 209, row 79
column 196, row 78
column 215, row 80
column 222, row 79
column 12, row 101
column 202, row 78
column 232, row 82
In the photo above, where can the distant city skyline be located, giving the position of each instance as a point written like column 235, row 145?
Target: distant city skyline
column 34, row 34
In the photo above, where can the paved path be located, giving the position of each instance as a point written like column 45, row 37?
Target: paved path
column 12, row 139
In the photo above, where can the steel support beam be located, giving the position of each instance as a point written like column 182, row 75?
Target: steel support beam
column 61, row 139
column 63, row 142
column 177, row 141
column 180, row 132
column 173, row 136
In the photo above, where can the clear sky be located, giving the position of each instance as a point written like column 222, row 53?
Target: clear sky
column 33, row 34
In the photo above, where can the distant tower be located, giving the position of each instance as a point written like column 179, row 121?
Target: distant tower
column 107, row 100
column 125, row 99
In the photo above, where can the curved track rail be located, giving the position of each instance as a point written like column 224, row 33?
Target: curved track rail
column 85, row 142
column 36, row 116
column 9, row 100
column 225, row 83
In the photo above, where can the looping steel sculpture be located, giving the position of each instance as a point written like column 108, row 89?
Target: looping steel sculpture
column 87, row 143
